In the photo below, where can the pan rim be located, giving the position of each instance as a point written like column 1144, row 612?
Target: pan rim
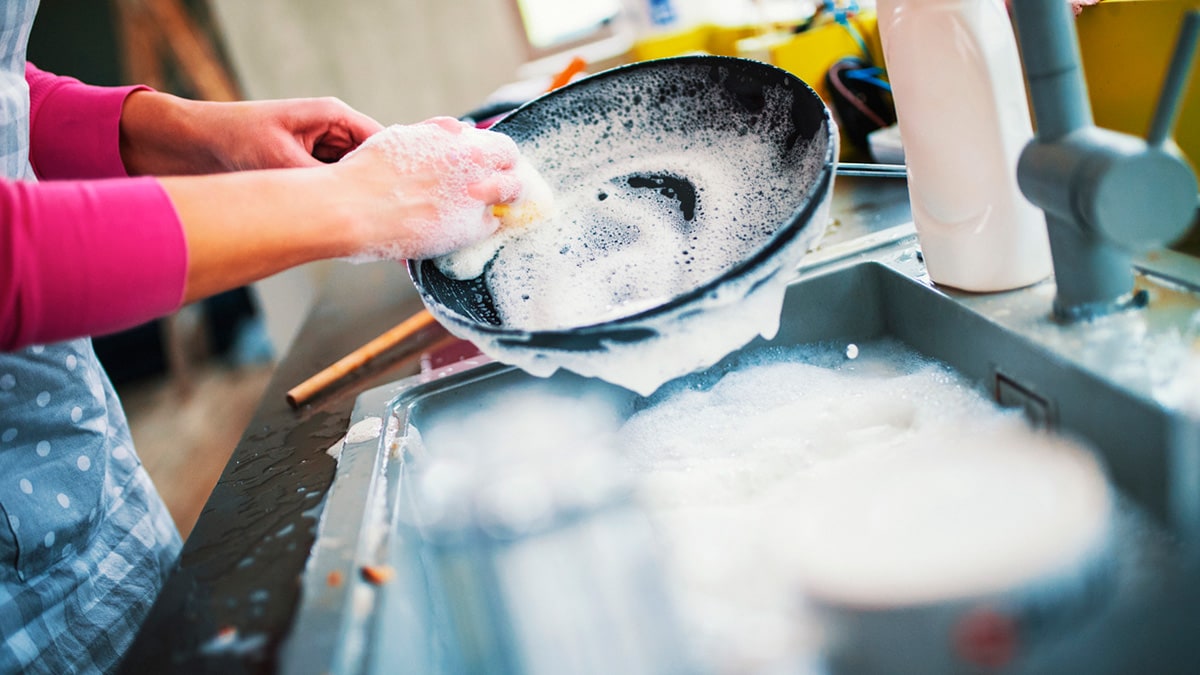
column 811, row 201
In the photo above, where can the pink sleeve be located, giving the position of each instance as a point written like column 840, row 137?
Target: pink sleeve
column 83, row 257
column 74, row 128
column 86, row 258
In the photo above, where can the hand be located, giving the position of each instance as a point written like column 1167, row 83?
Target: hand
column 167, row 135
column 286, row 133
column 413, row 191
column 431, row 186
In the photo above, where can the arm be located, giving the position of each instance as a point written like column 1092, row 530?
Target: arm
column 80, row 258
column 83, row 257
column 73, row 127
column 95, row 257
column 88, row 257
column 413, row 191
column 165, row 135
column 83, row 131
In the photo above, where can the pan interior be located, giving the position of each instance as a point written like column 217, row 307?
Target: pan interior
column 663, row 180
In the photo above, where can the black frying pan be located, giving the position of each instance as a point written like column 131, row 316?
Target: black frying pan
column 675, row 96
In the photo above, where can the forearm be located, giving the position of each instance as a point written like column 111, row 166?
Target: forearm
column 165, row 135
column 133, row 248
column 162, row 135
column 93, row 257
column 246, row 226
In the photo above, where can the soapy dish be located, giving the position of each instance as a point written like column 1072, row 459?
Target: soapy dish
column 685, row 191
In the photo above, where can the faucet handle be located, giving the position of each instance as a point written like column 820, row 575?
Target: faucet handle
column 1171, row 98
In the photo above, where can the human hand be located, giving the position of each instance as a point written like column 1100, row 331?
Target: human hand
column 163, row 134
column 414, row 191
column 287, row 133
column 429, row 186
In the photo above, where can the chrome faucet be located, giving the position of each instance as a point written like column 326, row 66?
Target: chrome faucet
column 1106, row 194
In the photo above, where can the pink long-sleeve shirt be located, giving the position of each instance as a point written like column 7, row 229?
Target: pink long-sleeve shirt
column 87, row 250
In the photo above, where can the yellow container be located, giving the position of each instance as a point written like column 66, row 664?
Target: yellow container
column 704, row 38
column 1126, row 46
column 687, row 41
column 810, row 55
column 807, row 55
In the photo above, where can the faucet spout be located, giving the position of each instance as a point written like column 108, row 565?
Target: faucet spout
column 1105, row 194
column 1050, row 54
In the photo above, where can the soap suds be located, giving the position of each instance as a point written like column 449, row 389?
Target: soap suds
column 641, row 216
column 880, row 478
column 535, row 206
column 335, row 451
column 540, row 448
column 442, row 158
column 365, row 430
column 660, row 186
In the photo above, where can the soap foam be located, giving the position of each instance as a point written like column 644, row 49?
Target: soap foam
column 883, row 479
column 444, row 158
column 661, row 183
column 535, row 205
column 550, row 440
column 642, row 215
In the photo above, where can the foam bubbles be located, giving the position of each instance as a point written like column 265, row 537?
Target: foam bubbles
column 535, row 205
column 441, row 159
column 884, row 479
column 643, row 214
column 541, row 448
column 663, row 181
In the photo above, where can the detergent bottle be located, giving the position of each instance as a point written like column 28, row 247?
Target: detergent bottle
column 964, row 118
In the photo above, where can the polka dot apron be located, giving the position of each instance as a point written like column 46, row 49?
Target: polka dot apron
column 65, row 452
column 85, row 540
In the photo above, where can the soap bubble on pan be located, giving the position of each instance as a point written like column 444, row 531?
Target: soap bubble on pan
column 686, row 191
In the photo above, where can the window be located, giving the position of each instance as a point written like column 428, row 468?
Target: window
column 553, row 25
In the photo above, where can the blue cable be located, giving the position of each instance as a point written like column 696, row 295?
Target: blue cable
column 870, row 76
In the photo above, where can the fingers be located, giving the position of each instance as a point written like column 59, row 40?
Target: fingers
column 347, row 129
column 336, row 115
column 294, row 155
column 448, row 124
column 498, row 189
column 360, row 126
column 493, row 158
column 487, row 149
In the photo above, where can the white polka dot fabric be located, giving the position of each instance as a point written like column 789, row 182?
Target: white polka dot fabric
column 54, row 426
column 81, row 519
column 85, row 541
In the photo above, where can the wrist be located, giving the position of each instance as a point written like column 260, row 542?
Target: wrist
column 160, row 135
column 346, row 194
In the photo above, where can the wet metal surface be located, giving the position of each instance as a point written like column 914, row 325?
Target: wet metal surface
column 231, row 601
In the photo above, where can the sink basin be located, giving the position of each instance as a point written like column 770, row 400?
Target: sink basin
column 1125, row 384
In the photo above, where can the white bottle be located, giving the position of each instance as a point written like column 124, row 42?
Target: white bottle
column 964, row 119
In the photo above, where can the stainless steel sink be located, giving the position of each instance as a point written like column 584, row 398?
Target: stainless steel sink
column 1116, row 382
